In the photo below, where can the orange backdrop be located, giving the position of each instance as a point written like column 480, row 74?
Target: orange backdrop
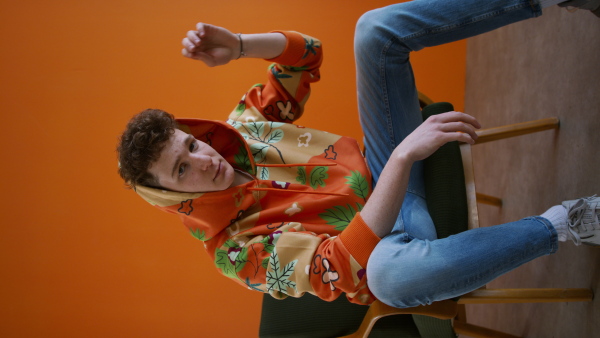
column 80, row 256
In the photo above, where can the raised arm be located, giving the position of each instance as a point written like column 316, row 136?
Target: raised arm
column 216, row 46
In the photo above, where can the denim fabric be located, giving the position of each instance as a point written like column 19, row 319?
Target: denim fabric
column 410, row 266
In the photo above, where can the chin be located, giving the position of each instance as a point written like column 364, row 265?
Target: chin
column 228, row 177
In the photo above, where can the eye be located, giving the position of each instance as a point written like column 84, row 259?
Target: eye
column 182, row 169
column 192, row 146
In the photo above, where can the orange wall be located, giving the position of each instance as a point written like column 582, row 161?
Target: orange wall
column 80, row 255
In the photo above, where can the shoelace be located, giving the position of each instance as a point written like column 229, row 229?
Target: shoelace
column 583, row 216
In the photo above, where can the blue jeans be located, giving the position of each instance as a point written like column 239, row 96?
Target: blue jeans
column 410, row 266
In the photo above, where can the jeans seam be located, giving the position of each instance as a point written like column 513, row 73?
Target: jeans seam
column 386, row 101
column 553, row 239
column 552, row 232
column 445, row 28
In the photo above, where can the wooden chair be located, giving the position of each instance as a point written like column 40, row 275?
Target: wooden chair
column 449, row 179
column 455, row 310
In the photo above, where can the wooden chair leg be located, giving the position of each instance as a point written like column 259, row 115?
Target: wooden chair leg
column 475, row 331
column 498, row 133
column 489, row 296
column 445, row 309
column 490, row 200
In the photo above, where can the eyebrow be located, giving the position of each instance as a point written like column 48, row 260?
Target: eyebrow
column 178, row 160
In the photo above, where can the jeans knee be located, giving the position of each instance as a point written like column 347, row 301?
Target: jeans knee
column 387, row 286
column 366, row 30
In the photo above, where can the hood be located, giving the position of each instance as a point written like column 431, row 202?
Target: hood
column 225, row 139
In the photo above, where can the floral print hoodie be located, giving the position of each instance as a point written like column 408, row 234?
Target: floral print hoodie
column 296, row 226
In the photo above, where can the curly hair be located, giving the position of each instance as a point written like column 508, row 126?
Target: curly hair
column 140, row 145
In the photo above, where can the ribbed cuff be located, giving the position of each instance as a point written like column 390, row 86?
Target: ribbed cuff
column 359, row 239
column 294, row 49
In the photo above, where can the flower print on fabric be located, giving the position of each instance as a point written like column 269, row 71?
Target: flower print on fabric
column 294, row 209
column 328, row 276
column 304, row 139
column 186, row 207
column 238, row 197
column 233, row 254
column 280, row 185
column 330, row 153
column 285, row 110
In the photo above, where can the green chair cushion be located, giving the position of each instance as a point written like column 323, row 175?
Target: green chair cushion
column 311, row 317
column 445, row 183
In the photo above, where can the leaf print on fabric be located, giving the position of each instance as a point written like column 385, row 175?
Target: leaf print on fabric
column 252, row 286
column 301, row 178
column 259, row 151
column 279, row 279
column 265, row 135
column 359, row 184
column 318, row 175
column 255, row 129
column 278, row 74
column 274, row 136
column 242, row 160
column 201, row 235
column 222, row 262
column 309, row 47
column 339, row 216
column 232, row 261
column 285, row 110
column 234, row 123
column 296, row 69
column 304, row 139
column 264, row 173
column 239, row 109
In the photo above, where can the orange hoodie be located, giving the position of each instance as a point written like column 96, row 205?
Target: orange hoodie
column 295, row 227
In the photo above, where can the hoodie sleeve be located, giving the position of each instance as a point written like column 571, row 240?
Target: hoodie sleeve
column 283, row 97
column 291, row 260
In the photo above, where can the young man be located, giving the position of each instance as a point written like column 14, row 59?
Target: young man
column 287, row 210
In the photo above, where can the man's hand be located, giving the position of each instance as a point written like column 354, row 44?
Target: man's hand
column 216, row 46
column 381, row 210
column 436, row 131
column 213, row 45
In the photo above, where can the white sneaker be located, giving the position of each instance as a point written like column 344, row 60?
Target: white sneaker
column 584, row 220
column 591, row 5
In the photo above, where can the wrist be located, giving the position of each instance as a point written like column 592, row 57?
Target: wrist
column 240, row 48
column 262, row 46
column 403, row 155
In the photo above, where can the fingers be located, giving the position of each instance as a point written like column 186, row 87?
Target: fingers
column 456, row 126
column 457, row 116
column 460, row 127
column 201, row 28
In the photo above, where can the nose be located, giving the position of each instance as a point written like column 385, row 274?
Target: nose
column 203, row 162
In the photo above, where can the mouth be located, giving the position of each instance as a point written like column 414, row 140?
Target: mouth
column 218, row 171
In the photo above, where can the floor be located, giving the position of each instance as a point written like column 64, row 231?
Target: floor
column 544, row 67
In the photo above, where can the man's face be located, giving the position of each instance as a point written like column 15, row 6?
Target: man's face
column 188, row 165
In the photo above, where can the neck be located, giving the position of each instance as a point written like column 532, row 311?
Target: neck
column 241, row 178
